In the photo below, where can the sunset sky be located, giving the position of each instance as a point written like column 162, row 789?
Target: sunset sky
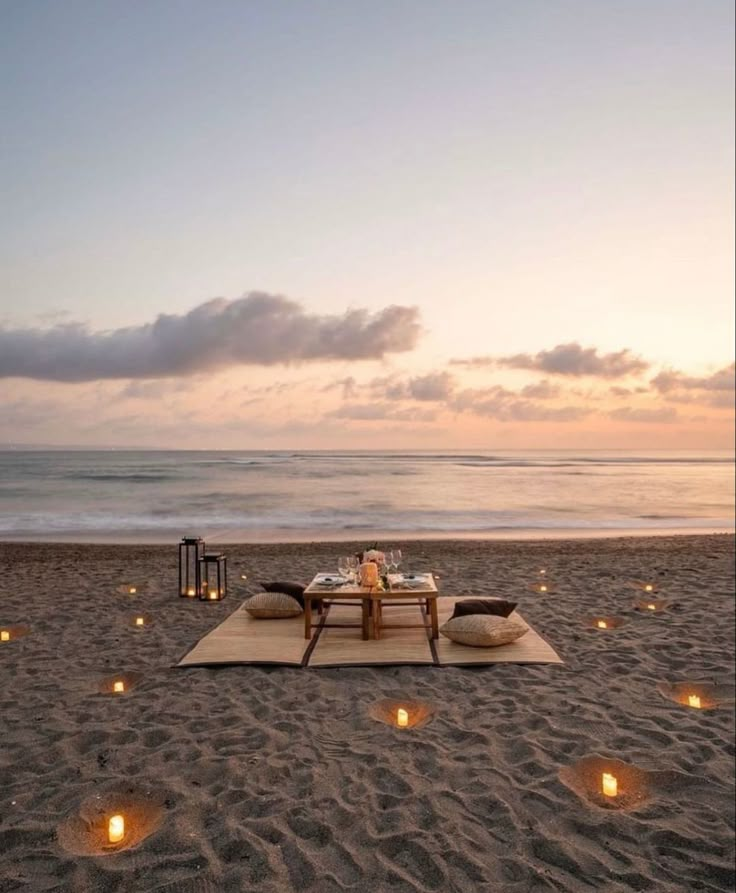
column 377, row 224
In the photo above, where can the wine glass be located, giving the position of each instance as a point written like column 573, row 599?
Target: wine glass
column 343, row 567
column 353, row 564
column 397, row 558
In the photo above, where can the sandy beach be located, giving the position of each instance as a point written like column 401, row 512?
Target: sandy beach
column 279, row 779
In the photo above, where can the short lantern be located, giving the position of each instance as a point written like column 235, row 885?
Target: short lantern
column 212, row 577
column 191, row 551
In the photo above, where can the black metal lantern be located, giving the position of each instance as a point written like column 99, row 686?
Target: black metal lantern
column 212, row 577
column 191, row 550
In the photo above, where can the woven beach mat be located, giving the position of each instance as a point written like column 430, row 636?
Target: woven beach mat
column 337, row 642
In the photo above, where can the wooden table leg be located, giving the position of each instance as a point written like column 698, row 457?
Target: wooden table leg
column 376, row 610
column 307, row 618
column 435, row 618
column 366, row 608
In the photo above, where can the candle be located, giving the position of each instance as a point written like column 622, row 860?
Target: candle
column 602, row 624
column 132, row 590
column 693, row 701
column 118, row 686
column 139, row 621
column 542, row 571
column 190, row 592
column 402, row 718
column 368, row 573
column 116, row 829
column 648, row 587
column 542, row 588
column 4, row 635
column 213, row 594
column 652, row 607
column 610, row 784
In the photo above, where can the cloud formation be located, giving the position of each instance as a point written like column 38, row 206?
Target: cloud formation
column 507, row 406
column 257, row 329
column 432, row 387
column 572, row 359
column 670, row 380
column 541, row 390
column 565, row 359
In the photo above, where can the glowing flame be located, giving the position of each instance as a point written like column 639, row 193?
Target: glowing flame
column 139, row 621
column 132, row 590
column 602, row 624
column 693, row 701
column 652, row 607
column 4, row 635
column 542, row 588
column 610, row 784
column 118, row 686
column 116, row 829
column 402, row 718
column 649, row 588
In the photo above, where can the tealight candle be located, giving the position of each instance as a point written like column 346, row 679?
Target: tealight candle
column 116, row 829
column 542, row 588
column 652, row 607
column 4, row 635
column 402, row 718
column 139, row 621
column 648, row 588
column 190, row 592
column 132, row 590
column 118, row 686
column 542, row 571
column 602, row 624
column 213, row 593
column 693, row 701
column 610, row 784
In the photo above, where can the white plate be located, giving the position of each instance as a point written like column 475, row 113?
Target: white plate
column 331, row 578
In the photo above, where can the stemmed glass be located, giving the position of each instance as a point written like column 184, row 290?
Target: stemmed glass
column 343, row 567
column 396, row 558
column 352, row 563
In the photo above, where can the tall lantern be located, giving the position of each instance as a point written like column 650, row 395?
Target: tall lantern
column 212, row 577
column 191, row 550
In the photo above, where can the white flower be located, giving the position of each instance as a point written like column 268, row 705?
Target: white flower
column 374, row 555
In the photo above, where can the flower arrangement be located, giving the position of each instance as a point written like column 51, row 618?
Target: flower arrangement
column 373, row 554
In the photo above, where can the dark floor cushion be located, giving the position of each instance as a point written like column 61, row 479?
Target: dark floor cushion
column 295, row 590
column 498, row 607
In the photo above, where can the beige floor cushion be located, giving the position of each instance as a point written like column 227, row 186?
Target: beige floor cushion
column 483, row 630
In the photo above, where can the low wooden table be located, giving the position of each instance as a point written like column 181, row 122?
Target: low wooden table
column 372, row 603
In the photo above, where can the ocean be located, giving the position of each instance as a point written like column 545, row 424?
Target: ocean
column 159, row 496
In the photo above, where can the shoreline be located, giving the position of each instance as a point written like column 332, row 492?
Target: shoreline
column 274, row 538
